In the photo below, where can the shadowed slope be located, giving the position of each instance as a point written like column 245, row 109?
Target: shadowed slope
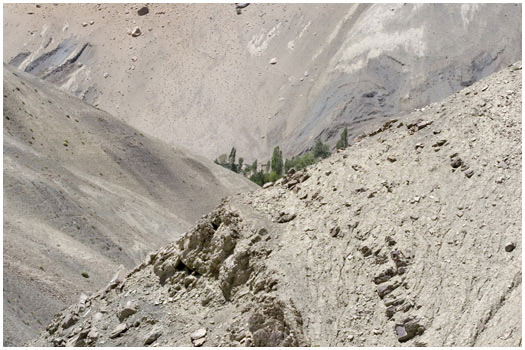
column 83, row 192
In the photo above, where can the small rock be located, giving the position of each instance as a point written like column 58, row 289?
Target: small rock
column 136, row 32
column 390, row 311
column 456, row 162
column 391, row 159
column 69, row 320
column 121, row 328
column 439, row 143
column 292, row 183
column 199, row 342
column 198, row 334
column 84, row 24
column 469, row 173
column 408, row 329
column 119, row 276
column 510, row 247
column 153, row 335
column 334, row 231
column 401, row 333
column 92, row 335
column 273, row 61
column 284, row 217
column 188, row 281
column 82, row 299
column 91, row 23
column 268, row 184
column 97, row 317
column 365, row 251
column 127, row 311
column 350, row 337
column 143, row 11
column 106, row 74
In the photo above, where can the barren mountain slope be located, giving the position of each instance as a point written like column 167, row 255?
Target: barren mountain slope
column 200, row 75
column 83, row 192
column 411, row 236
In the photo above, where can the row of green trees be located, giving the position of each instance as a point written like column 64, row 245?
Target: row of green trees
column 276, row 167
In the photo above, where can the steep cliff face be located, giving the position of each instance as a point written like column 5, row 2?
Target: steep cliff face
column 83, row 194
column 411, row 236
column 204, row 77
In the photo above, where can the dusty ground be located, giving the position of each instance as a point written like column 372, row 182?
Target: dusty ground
column 411, row 236
column 84, row 192
column 200, row 75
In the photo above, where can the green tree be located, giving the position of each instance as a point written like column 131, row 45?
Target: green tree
column 321, row 150
column 254, row 166
column 288, row 164
column 231, row 159
column 277, row 161
column 241, row 163
column 342, row 143
column 304, row 161
column 271, row 177
column 258, row 178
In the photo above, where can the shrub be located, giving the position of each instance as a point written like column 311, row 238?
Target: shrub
column 342, row 143
column 321, row 150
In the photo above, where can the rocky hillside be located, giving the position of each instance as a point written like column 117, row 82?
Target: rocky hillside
column 411, row 236
column 83, row 194
column 205, row 77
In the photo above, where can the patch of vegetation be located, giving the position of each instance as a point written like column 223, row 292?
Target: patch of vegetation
column 342, row 143
column 321, row 150
column 85, row 274
column 275, row 168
